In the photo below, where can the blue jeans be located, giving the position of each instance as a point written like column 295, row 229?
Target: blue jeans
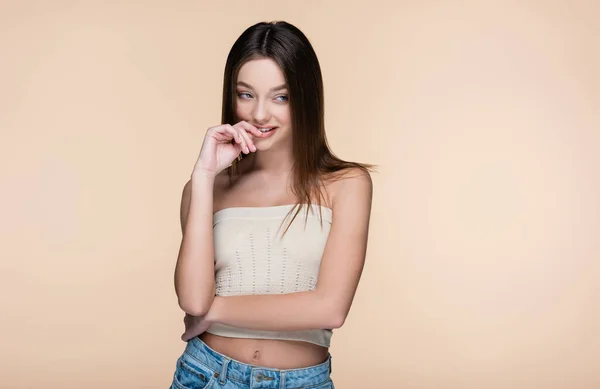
column 200, row 367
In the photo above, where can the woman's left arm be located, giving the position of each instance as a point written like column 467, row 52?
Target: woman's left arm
column 341, row 267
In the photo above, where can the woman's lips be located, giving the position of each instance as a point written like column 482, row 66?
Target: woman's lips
column 268, row 133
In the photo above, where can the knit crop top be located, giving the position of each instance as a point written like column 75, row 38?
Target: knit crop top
column 252, row 258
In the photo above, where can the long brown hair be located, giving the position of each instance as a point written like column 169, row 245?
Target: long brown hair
column 291, row 50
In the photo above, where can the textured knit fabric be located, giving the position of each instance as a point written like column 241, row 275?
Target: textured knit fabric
column 252, row 258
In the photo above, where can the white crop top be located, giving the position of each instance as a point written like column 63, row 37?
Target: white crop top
column 252, row 257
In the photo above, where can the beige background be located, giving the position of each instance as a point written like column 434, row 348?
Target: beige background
column 483, row 266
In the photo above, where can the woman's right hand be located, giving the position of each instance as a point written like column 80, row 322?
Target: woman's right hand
column 224, row 143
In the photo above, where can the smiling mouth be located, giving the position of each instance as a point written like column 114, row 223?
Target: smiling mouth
column 265, row 130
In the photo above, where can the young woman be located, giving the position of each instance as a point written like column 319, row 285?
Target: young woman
column 274, row 226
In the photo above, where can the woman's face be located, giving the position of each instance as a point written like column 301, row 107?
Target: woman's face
column 262, row 100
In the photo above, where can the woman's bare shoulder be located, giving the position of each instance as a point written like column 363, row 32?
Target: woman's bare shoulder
column 342, row 179
column 350, row 179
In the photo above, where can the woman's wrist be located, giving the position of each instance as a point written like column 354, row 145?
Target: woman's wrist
column 200, row 175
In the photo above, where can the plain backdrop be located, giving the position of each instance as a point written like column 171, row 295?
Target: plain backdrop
column 483, row 267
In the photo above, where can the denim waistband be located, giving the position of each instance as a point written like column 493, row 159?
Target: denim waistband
column 258, row 377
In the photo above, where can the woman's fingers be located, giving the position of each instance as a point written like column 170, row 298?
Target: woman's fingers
column 241, row 134
column 249, row 144
column 249, row 132
column 237, row 137
column 227, row 132
column 250, row 128
column 244, row 141
column 246, row 136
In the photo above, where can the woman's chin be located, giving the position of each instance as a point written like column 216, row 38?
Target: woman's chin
column 262, row 144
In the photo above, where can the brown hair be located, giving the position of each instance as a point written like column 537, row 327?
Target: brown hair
column 291, row 50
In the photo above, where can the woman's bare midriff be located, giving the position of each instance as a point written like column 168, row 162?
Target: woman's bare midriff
column 270, row 353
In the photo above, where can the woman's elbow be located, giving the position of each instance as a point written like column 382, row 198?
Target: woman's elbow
column 195, row 308
column 333, row 312
column 336, row 321
column 335, row 316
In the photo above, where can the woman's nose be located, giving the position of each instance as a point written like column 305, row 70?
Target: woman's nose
column 260, row 113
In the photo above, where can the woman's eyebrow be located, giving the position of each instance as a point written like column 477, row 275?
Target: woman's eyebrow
column 280, row 87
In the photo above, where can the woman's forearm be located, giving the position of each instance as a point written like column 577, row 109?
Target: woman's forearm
column 194, row 272
column 281, row 312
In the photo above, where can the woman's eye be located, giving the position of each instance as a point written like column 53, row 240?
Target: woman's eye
column 245, row 96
